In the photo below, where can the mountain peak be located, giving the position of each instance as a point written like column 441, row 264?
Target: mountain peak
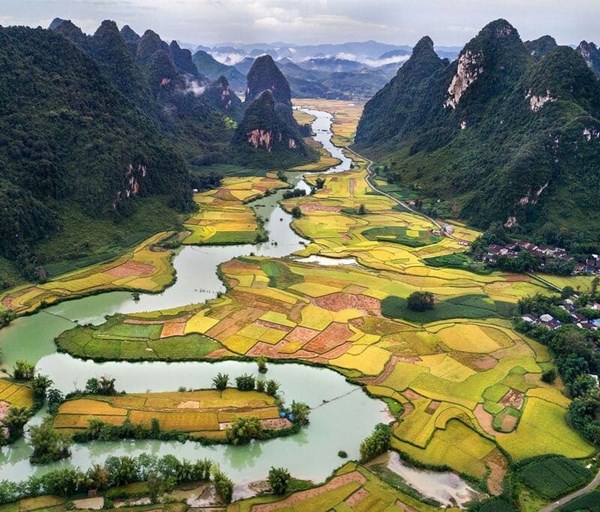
column 265, row 75
column 591, row 55
column 182, row 58
column 56, row 22
column 539, row 48
column 130, row 35
column 500, row 28
column 425, row 43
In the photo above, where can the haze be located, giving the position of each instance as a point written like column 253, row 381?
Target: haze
column 317, row 21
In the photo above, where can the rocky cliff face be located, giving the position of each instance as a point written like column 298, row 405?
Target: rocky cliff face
column 263, row 131
column 591, row 54
column 507, row 132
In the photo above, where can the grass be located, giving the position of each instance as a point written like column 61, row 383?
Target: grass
column 459, row 261
column 554, row 476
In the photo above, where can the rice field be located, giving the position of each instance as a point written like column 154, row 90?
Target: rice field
column 223, row 217
column 13, row 394
column 146, row 267
column 351, row 488
column 202, row 413
column 470, row 386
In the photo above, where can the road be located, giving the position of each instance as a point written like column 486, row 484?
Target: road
column 370, row 182
column 589, row 487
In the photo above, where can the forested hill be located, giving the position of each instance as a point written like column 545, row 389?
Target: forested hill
column 72, row 146
column 506, row 134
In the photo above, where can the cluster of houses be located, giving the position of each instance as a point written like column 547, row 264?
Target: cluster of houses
column 568, row 305
column 544, row 254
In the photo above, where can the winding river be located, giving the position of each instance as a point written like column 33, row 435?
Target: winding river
column 342, row 414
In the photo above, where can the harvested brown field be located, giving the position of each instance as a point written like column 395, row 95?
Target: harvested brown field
column 340, row 301
column 129, row 269
column 513, row 398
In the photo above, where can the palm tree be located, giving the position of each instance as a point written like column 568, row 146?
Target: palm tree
column 99, row 477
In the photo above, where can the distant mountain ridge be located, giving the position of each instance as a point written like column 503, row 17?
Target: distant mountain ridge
column 509, row 133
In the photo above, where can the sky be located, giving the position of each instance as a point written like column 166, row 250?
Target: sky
column 448, row 22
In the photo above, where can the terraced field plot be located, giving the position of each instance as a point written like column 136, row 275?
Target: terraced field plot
column 469, row 384
column 13, row 394
column 147, row 267
column 352, row 488
column 457, row 379
column 223, row 217
column 203, row 413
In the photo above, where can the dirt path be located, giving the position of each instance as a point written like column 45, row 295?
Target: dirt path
column 369, row 180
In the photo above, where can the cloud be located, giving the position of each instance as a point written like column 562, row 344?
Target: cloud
column 318, row 21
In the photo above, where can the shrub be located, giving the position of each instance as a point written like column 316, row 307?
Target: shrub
column 48, row 445
column 245, row 382
column 279, row 479
column 220, row 381
column 549, row 376
column 223, row 486
column 243, row 430
column 377, row 443
column 23, row 370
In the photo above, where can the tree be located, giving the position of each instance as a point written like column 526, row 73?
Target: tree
column 245, row 382
column 48, row 445
column 272, row 387
column 122, row 470
column 567, row 292
column 582, row 384
column 24, row 370
column 156, row 486
column 220, row 381
column 377, row 443
column 243, row 430
column 420, row 301
column 549, row 376
column 223, row 486
column 98, row 477
column 261, row 361
column 14, row 421
column 279, row 479
column 53, row 400
column 362, row 210
column 300, row 413
column 296, row 212
column 102, row 386
column 39, row 385
column 594, row 287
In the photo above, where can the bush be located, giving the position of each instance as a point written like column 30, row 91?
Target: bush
column 549, row 376
column 48, row 445
column 220, row 381
column 223, row 486
column 243, row 430
column 377, row 443
column 23, row 370
column 245, row 382
column 279, row 480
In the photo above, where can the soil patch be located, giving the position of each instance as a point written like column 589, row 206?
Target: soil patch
column 173, row 329
column 513, row 398
column 509, row 423
column 334, row 335
column 485, row 420
column 357, row 497
column 340, row 301
column 302, row 334
column 129, row 269
column 411, row 395
column 432, row 407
